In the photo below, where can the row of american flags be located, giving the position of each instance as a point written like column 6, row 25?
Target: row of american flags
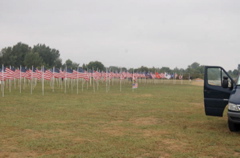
column 47, row 74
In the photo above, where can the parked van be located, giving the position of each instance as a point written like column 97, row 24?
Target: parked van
column 221, row 90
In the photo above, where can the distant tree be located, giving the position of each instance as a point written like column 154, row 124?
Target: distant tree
column 180, row 71
column 50, row 56
column 95, row 65
column 117, row 69
column 194, row 65
column 153, row 70
column 84, row 67
column 75, row 65
column 131, row 70
column 233, row 73
column 7, row 58
column 176, row 70
column 14, row 56
column 33, row 59
column 195, row 70
column 114, row 69
column 165, row 69
column 58, row 63
column 124, row 69
column 70, row 64
column 143, row 69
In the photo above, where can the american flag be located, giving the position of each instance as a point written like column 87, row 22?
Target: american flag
column 69, row 74
column 61, row 74
column 97, row 75
column 180, row 77
column 121, row 76
column 162, row 75
column 83, row 75
column 48, row 75
column 27, row 74
column 135, row 85
column 134, row 77
column 157, row 75
column 153, row 75
column 9, row 74
column 16, row 74
column 38, row 74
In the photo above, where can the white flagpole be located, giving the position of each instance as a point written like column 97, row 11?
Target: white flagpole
column 182, row 79
column 53, row 79
column 2, row 83
column 10, row 83
column 89, row 78
column 145, row 77
column 24, row 82
column 82, row 83
column 132, row 79
column 31, row 79
column 14, row 80
column 42, row 80
column 77, row 79
column 109, row 79
column 65, row 80
column 61, row 80
column 120, row 80
column 97, row 81
column 106, row 81
column 173, row 77
column 93, row 81
column 20, row 79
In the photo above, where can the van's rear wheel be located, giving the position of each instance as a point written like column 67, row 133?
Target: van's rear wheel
column 233, row 127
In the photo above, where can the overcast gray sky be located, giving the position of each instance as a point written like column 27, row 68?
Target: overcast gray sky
column 128, row 33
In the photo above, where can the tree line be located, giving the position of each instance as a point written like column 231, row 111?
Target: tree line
column 40, row 54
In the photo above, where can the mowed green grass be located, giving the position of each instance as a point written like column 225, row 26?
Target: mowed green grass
column 155, row 120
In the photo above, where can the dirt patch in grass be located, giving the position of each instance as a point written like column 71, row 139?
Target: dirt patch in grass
column 197, row 104
column 173, row 144
column 55, row 121
column 160, row 153
column 32, row 133
column 153, row 133
column 61, row 132
column 197, row 83
column 144, row 121
column 146, row 95
column 12, row 151
column 82, row 140
column 119, row 131
column 5, row 154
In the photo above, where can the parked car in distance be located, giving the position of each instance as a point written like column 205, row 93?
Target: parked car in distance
column 221, row 90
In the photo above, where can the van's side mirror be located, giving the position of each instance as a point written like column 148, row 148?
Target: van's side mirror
column 225, row 82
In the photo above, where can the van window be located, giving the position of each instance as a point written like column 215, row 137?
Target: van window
column 238, row 81
column 215, row 76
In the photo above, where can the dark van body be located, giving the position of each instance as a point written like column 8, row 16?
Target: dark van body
column 221, row 90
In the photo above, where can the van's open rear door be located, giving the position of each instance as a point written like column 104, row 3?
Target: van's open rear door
column 215, row 96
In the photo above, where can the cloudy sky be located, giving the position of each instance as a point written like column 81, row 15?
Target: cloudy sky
column 128, row 33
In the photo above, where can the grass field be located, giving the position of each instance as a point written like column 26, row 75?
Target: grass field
column 153, row 121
